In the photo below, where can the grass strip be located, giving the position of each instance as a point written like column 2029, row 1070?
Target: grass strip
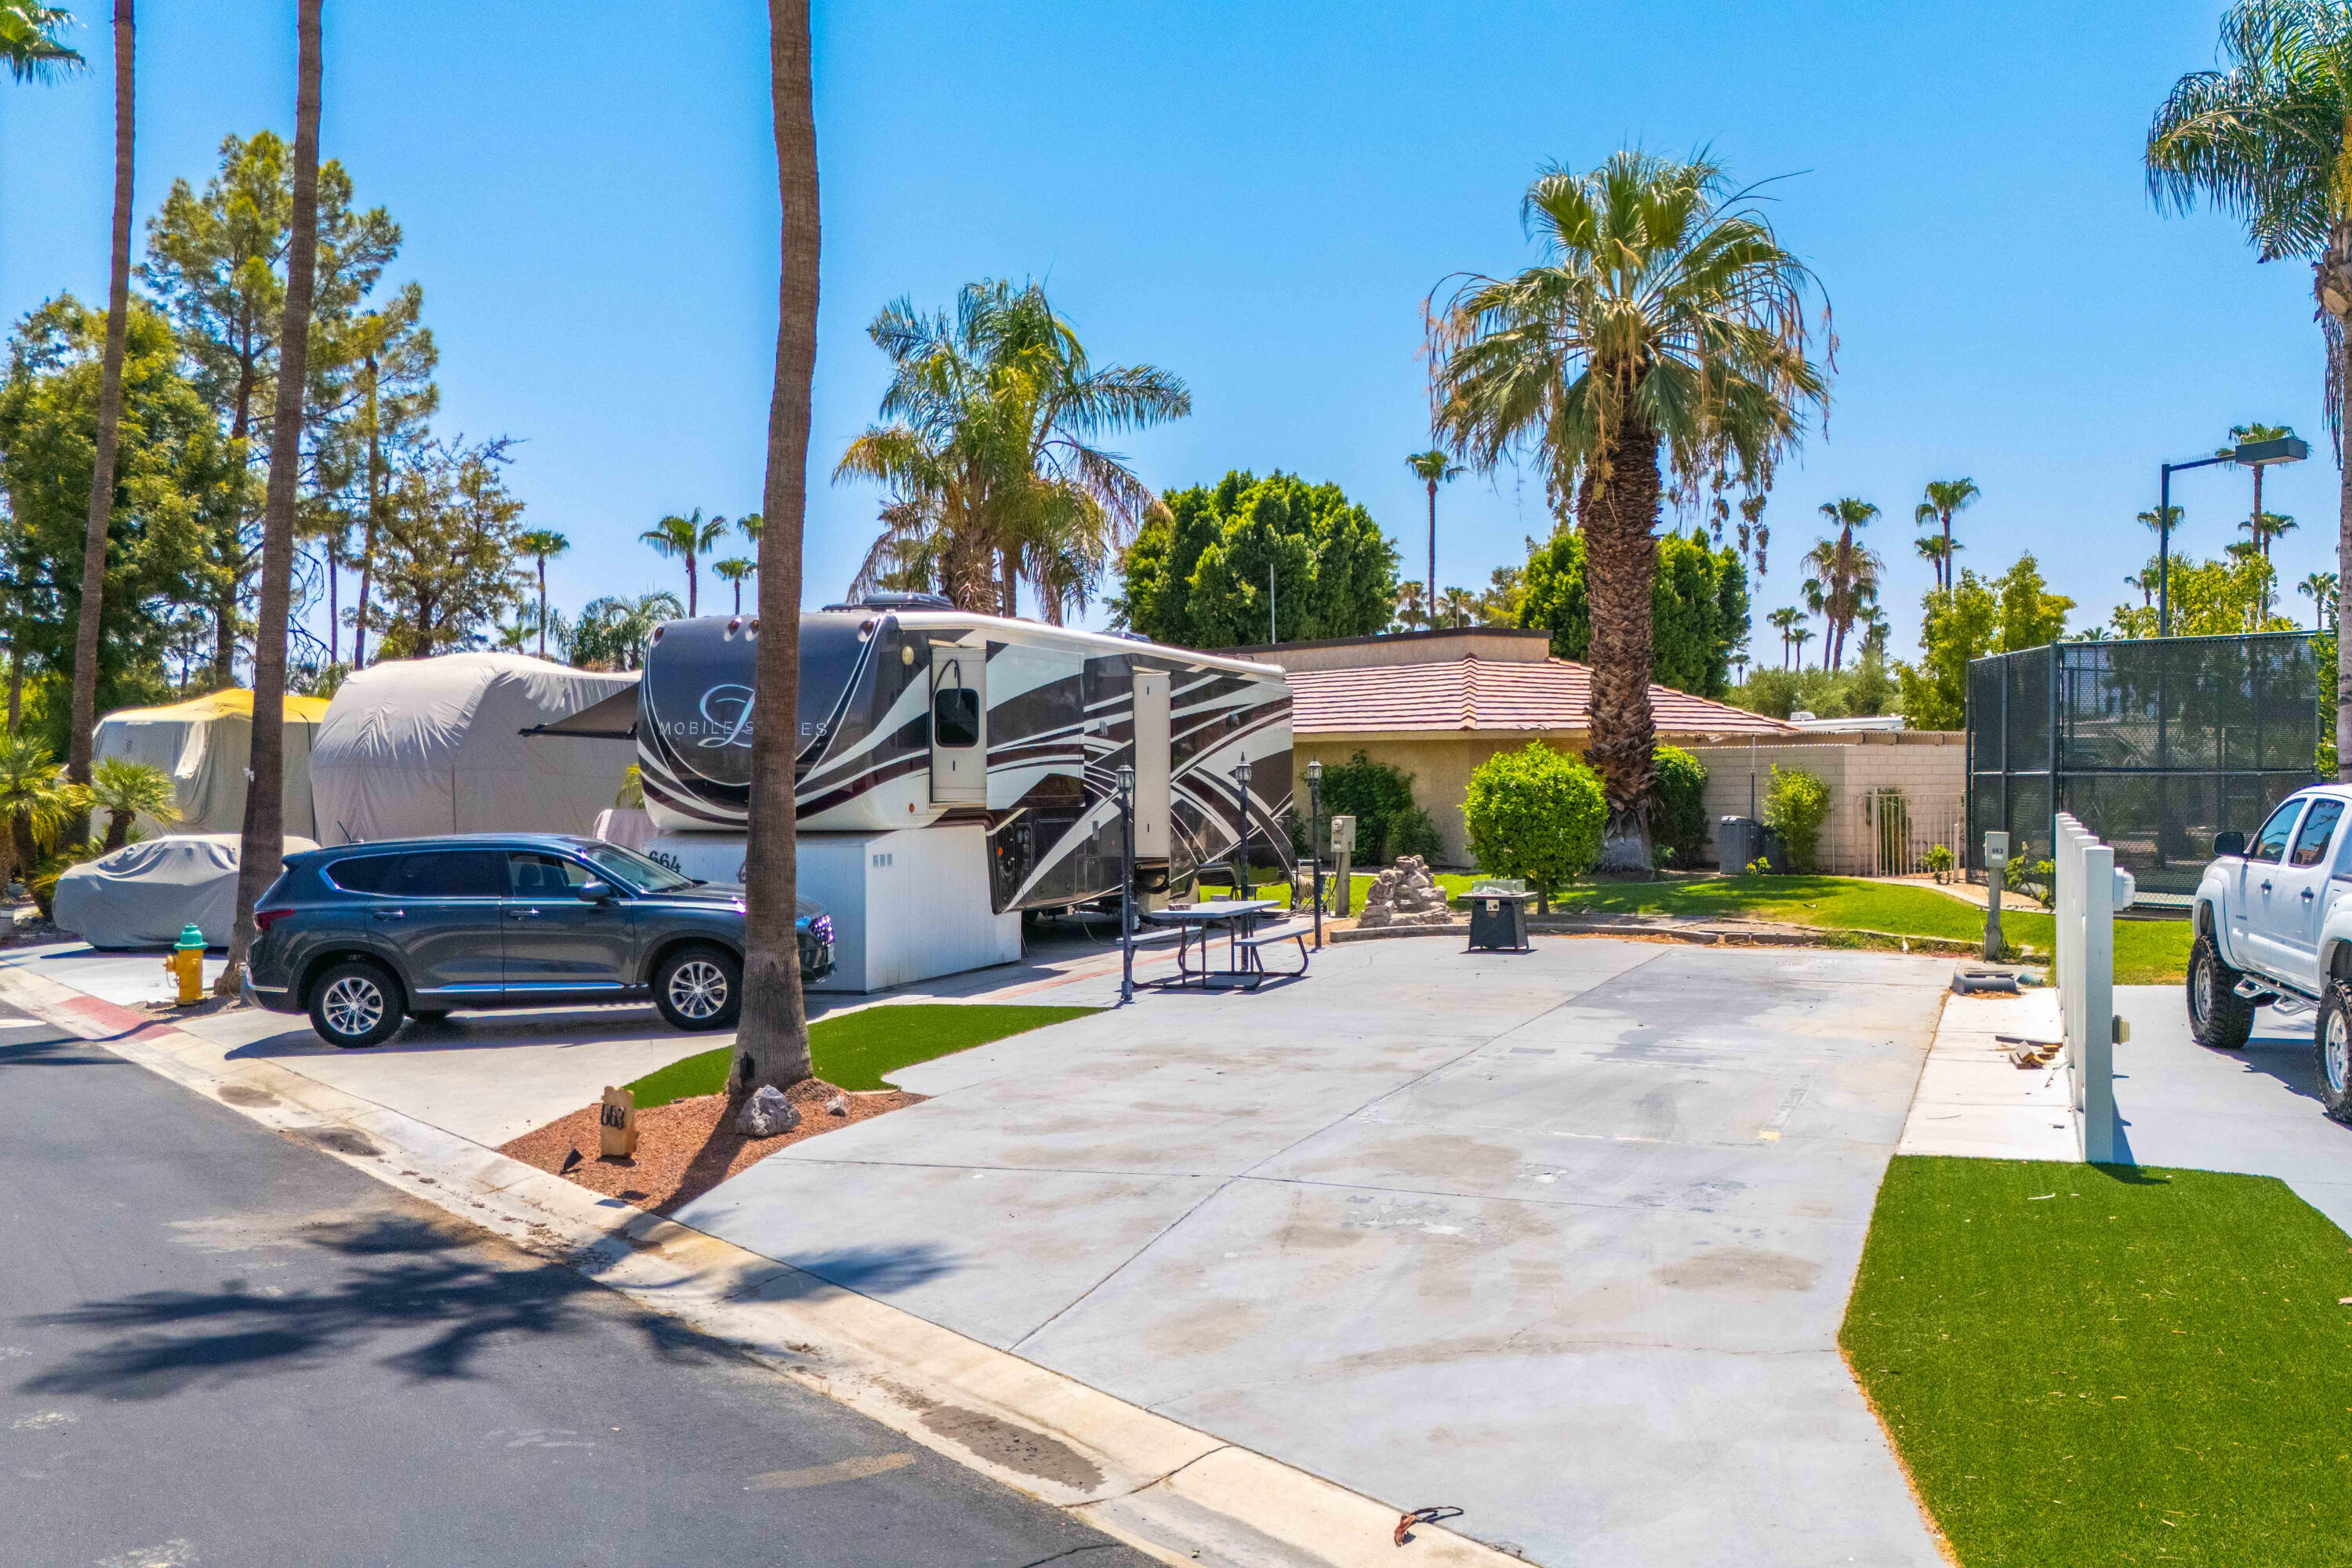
column 2094, row 1365
column 857, row 1050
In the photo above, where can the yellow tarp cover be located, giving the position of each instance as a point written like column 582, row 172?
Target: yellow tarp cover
column 204, row 743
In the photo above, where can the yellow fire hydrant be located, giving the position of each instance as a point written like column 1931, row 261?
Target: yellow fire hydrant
column 186, row 965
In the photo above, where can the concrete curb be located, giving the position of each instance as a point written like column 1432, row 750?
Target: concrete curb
column 1178, row 1495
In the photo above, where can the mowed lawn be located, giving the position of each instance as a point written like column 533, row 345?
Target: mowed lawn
column 2089, row 1366
column 855, row 1050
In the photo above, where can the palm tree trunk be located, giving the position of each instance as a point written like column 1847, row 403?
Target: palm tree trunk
column 542, row 605
column 1944, row 567
column 771, row 1046
column 83, row 740
column 1009, row 577
column 692, row 607
column 264, row 843
column 1432, row 551
column 1622, row 560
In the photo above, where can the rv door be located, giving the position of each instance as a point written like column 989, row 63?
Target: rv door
column 1152, row 764
column 959, row 726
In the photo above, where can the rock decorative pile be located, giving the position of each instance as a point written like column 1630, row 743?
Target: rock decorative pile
column 1405, row 895
column 767, row 1113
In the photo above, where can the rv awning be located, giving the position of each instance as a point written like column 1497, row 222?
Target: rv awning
column 614, row 718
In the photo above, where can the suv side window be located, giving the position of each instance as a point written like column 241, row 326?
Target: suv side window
column 2271, row 843
column 366, row 874
column 451, row 874
column 2311, row 843
column 534, row 876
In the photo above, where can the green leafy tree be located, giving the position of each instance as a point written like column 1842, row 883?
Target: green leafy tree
column 1196, row 576
column 1698, row 607
column 613, row 634
column 29, row 44
column 2030, row 615
column 990, row 462
column 168, row 457
column 1535, row 813
column 126, row 791
column 1976, row 617
column 2269, row 141
column 1379, row 795
column 2222, row 597
column 1796, row 803
column 1506, row 591
column 1665, row 332
column 451, row 536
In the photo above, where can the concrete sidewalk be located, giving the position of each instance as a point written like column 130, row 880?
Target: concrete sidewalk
column 1974, row 1099
column 1562, row 1238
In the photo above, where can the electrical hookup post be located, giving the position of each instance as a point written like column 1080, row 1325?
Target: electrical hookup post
column 2089, row 891
column 1996, row 865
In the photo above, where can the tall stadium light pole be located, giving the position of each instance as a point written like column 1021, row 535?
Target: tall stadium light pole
column 2245, row 455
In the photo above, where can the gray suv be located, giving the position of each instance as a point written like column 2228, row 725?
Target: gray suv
column 364, row 934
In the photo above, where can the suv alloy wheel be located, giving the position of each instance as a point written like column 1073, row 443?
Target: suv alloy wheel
column 355, row 1004
column 699, row 987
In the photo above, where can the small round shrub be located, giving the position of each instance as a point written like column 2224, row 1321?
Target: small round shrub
column 1680, row 824
column 1796, row 803
column 1535, row 813
column 1411, row 832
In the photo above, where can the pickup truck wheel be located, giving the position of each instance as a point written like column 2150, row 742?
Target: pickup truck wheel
column 2333, row 1041
column 2219, row 1018
column 699, row 987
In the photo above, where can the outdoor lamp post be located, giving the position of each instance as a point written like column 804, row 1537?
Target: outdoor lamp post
column 2245, row 455
column 1315, row 840
column 1126, row 882
column 1241, row 849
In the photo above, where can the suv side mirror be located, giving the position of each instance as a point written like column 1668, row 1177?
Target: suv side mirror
column 2232, row 843
column 595, row 892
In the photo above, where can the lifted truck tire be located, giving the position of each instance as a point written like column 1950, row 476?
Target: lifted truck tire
column 2332, row 1043
column 2219, row 1018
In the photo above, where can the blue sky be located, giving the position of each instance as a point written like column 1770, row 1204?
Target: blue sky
column 1257, row 198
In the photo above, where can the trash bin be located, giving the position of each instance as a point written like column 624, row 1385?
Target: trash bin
column 1498, row 920
column 1739, row 843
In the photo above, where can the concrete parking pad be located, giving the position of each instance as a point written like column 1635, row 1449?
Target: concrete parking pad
column 1562, row 1238
column 2252, row 1111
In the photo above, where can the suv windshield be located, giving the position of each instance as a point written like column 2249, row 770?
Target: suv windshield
column 631, row 869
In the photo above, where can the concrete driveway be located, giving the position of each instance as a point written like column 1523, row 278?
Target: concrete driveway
column 1561, row 1239
column 2252, row 1111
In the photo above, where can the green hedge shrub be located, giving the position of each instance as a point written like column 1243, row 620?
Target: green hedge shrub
column 1796, row 803
column 1535, row 813
column 1681, row 825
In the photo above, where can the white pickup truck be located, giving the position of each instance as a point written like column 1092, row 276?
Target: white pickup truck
column 2274, row 927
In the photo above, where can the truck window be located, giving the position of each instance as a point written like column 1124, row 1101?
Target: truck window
column 2271, row 843
column 2311, row 840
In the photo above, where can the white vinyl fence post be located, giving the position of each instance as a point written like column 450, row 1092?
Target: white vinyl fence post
column 2086, row 974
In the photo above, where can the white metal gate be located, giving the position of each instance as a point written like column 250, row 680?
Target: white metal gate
column 1895, row 832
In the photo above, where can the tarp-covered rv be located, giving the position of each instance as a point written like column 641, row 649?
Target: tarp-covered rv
column 412, row 747
column 203, row 745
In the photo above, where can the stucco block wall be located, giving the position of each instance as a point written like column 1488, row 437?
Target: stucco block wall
column 1929, row 767
column 1441, row 766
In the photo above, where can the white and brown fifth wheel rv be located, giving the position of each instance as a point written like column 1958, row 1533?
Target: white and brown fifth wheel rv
column 916, row 718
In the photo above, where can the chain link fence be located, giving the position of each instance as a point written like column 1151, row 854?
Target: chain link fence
column 2154, row 744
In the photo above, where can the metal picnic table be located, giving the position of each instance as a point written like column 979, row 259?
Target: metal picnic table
column 1237, row 917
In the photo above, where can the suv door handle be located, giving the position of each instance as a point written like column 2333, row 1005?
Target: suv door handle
column 390, row 914
column 2306, row 895
column 522, row 914
column 2266, row 886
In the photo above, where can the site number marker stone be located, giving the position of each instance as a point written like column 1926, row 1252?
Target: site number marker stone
column 617, row 1125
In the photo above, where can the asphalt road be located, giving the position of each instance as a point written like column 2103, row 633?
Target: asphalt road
column 219, row 1347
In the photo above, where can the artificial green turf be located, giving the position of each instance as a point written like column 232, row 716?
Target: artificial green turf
column 2086, row 1365
column 856, row 1050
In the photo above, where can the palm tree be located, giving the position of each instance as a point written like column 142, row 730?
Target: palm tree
column 29, row 40
column 1800, row 635
column 2270, row 141
column 263, row 846
column 1843, row 571
column 1411, row 605
column 1456, row 606
column 1753, row 531
column 1937, row 550
column 734, row 571
column 1435, row 467
column 688, row 538
column 2241, row 434
column 542, row 544
column 1944, row 497
column 2145, row 582
column 2266, row 526
column 36, row 801
column 1784, row 621
column 90, row 606
column 2168, row 523
column 772, row 1044
column 2319, row 587
column 1664, row 331
column 127, row 791
column 989, row 461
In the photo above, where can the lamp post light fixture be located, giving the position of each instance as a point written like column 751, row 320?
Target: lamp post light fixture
column 1126, row 787
column 1315, row 840
column 2245, row 455
column 1241, row 847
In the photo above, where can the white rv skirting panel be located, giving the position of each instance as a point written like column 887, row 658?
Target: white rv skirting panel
column 905, row 906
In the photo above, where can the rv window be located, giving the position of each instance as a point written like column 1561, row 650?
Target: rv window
column 955, row 716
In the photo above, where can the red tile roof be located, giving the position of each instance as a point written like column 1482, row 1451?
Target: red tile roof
column 1472, row 694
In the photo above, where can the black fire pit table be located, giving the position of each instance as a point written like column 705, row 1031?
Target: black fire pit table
column 1499, row 918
